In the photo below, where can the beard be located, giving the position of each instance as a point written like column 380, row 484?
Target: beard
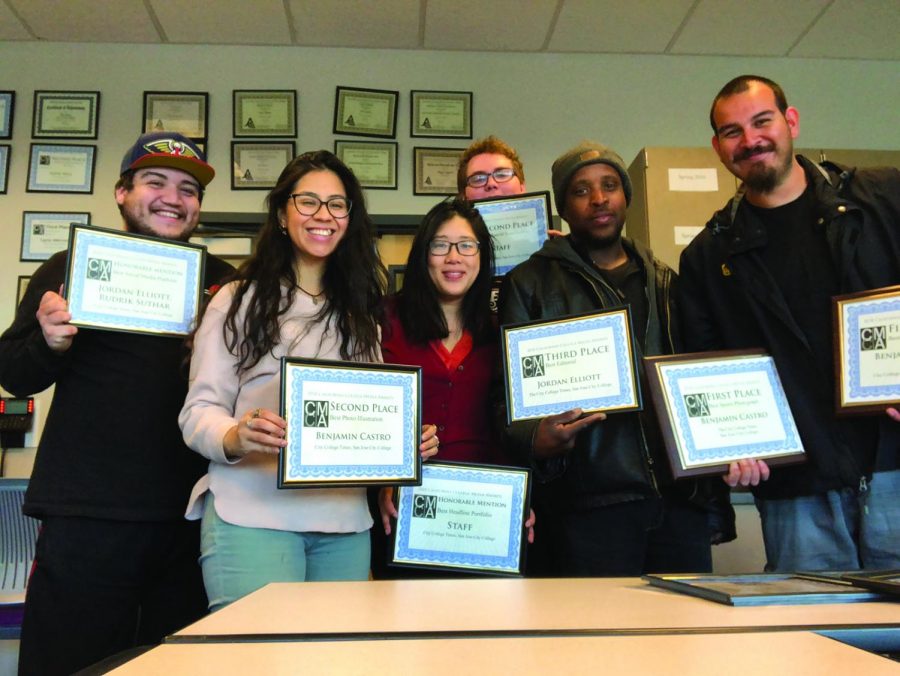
column 136, row 226
column 761, row 177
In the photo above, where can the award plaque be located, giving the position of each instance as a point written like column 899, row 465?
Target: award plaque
column 715, row 408
column 365, row 112
column 518, row 225
column 867, row 350
column 463, row 517
column 124, row 282
column 583, row 361
column 349, row 424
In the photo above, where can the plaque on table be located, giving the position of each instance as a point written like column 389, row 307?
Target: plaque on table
column 349, row 424
column 463, row 517
column 867, row 350
column 716, row 408
column 582, row 361
column 125, row 282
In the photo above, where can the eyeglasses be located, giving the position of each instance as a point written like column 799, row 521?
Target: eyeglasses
column 441, row 247
column 309, row 205
column 500, row 174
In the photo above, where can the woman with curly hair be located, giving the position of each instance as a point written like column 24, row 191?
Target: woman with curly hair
column 313, row 288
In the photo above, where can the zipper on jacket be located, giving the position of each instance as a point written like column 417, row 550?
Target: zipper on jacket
column 864, row 493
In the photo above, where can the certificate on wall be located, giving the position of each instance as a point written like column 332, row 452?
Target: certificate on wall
column 123, row 282
column 715, row 408
column 257, row 165
column 439, row 114
column 867, row 350
column 365, row 112
column 434, row 170
column 264, row 112
column 61, row 168
column 186, row 113
column 463, row 517
column 65, row 114
column 373, row 163
column 46, row 232
column 583, row 361
column 518, row 225
column 349, row 424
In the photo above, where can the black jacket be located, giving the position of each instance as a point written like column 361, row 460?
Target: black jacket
column 111, row 447
column 621, row 458
column 729, row 300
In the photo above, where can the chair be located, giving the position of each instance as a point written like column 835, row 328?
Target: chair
column 18, row 534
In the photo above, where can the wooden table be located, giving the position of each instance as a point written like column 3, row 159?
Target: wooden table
column 794, row 653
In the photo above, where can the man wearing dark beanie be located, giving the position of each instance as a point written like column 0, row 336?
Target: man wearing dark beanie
column 609, row 505
column 116, row 562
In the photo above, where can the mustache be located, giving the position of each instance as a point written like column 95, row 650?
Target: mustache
column 747, row 153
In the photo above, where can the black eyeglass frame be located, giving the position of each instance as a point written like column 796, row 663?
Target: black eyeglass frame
column 319, row 204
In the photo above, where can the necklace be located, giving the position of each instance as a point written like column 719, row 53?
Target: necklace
column 315, row 296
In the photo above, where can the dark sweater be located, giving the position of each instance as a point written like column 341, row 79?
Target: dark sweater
column 111, row 447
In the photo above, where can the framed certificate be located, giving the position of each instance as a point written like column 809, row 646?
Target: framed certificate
column 518, row 225
column 4, row 168
column 441, row 114
column 374, row 163
column 881, row 581
column 434, row 170
column 65, row 114
column 584, row 361
column 718, row 407
column 463, row 517
column 46, row 232
column 365, row 112
column 123, row 282
column 61, row 168
column 257, row 165
column 867, row 350
column 264, row 112
column 184, row 112
column 22, row 287
column 7, row 108
column 349, row 424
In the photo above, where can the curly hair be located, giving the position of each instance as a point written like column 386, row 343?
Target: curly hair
column 354, row 279
column 491, row 145
column 418, row 304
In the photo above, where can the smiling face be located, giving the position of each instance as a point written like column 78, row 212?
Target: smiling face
column 754, row 139
column 454, row 274
column 315, row 237
column 162, row 202
column 595, row 206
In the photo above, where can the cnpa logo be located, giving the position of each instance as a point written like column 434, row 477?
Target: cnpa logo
column 697, row 405
column 533, row 366
column 315, row 413
column 873, row 338
column 425, row 506
column 99, row 268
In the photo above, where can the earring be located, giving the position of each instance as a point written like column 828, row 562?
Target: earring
column 283, row 230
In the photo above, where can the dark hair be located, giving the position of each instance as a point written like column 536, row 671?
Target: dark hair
column 741, row 84
column 419, row 307
column 126, row 182
column 354, row 278
column 491, row 145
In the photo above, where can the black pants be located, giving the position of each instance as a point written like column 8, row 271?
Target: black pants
column 657, row 535
column 100, row 587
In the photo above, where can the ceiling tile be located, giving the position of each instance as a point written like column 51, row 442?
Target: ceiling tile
column 357, row 23
column 235, row 22
column 10, row 26
column 641, row 26
column 861, row 29
column 737, row 27
column 94, row 21
column 492, row 25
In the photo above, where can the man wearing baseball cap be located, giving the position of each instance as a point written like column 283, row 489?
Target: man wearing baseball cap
column 610, row 506
column 116, row 562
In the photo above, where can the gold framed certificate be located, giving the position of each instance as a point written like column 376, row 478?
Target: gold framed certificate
column 365, row 112
column 257, row 165
column 186, row 113
column 437, row 114
column 867, row 350
column 260, row 113
column 374, row 163
column 65, row 114
column 434, row 170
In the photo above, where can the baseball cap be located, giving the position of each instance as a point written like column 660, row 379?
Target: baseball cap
column 168, row 149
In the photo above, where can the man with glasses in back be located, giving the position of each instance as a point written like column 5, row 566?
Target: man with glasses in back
column 489, row 168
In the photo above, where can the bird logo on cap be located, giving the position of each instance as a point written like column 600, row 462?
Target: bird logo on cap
column 170, row 146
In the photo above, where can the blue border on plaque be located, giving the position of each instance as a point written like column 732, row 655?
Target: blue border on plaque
column 193, row 257
column 859, row 391
column 509, row 562
column 302, row 374
column 87, row 151
column 9, row 97
column 30, row 217
column 694, row 456
column 539, row 203
column 615, row 321
column 4, row 167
